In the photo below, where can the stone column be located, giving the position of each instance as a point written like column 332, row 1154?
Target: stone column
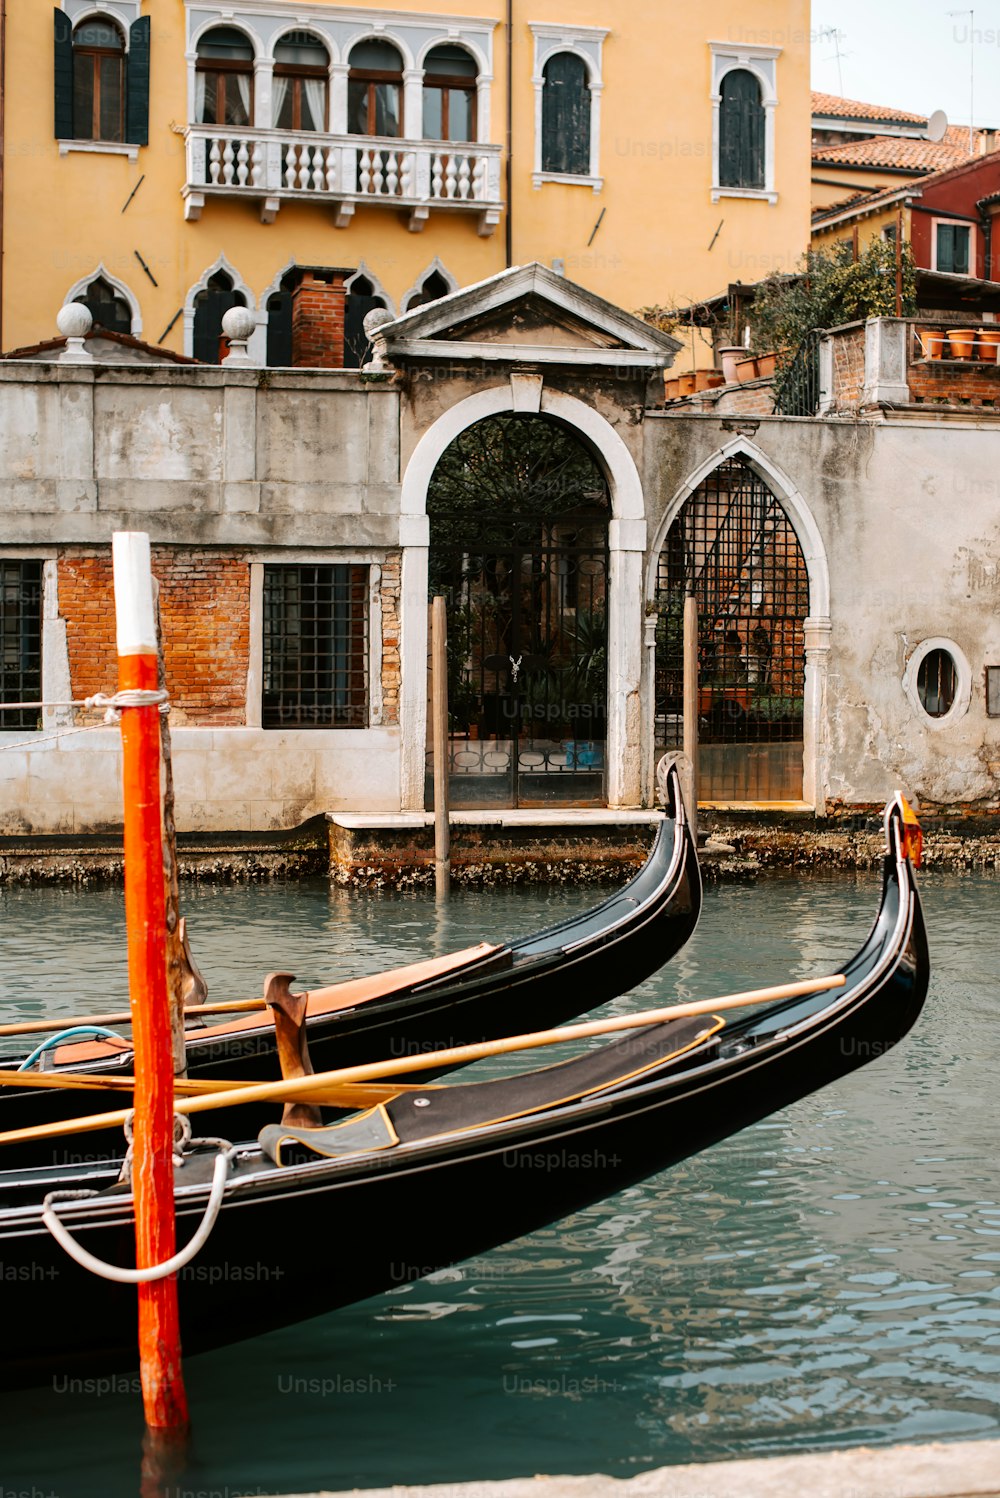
column 814, row 720
column 627, row 545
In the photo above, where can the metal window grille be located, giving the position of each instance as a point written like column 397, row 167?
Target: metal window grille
column 937, row 683
column 315, row 646
column 993, row 691
column 20, row 640
column 733, row 545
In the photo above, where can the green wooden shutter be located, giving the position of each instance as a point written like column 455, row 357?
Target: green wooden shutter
column 63, row 76
column 566, row 116
column 137, row 86
column 741, row 131
column 961, row 250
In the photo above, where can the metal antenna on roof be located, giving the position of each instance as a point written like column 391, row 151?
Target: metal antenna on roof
column 831, row 33
column 972, row 68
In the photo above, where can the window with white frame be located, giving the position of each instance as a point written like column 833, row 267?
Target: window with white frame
column 952, row 244
column 224, row 78
column 450, row 94
column 568, row 81
column 301, row 82
column 744, row 98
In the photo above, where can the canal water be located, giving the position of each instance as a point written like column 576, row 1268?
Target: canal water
column 829, row 1277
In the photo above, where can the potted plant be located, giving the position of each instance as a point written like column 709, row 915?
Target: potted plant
column 746, row 368
column 766, row 365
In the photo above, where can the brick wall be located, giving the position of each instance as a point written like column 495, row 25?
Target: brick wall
column 318, row 304
column 205, row 609
column 848, row 368
column 389, row 593
column 951, row 383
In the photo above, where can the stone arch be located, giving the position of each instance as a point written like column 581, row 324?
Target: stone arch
column 436, row 267
column 257, row 346
column 236, row 23
column 817, row 623
column 626, row 543
column 474, row 51
column 366, row 34
column 125, row 292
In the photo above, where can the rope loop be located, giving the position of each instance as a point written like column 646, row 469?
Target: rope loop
column 138, row 697
column 227, row 1153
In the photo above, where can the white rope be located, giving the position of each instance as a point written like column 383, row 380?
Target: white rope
column 155, row 1271
column 138, row 697
column 112, row 704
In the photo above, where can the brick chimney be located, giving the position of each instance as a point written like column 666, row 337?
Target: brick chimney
column 318, row 302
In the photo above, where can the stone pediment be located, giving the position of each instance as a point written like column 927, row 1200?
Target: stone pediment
column 529, row 314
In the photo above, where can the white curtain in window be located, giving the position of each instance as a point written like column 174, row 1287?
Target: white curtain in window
column 315, row 92
column 279, row 93
column 199, row 98
column 244, row 81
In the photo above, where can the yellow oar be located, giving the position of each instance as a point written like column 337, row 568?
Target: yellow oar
column 311, row 1087
column 354, row 1095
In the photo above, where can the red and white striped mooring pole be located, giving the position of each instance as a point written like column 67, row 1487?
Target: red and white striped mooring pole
column 163, row 1396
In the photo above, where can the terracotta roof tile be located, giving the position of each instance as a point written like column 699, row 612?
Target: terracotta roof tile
column 126, row 340
column 917, row 156
column 853, row 109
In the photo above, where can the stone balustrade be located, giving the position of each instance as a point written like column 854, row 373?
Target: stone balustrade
column 272, row 166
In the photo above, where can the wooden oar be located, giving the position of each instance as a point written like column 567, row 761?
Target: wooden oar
column 44, row 1026
column 312, row 1087
column 351, row 1095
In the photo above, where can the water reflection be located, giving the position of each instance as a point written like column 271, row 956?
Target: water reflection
column 829, row 1276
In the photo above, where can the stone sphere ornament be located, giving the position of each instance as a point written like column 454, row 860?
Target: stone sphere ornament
column 74, row 320
column 237, row 325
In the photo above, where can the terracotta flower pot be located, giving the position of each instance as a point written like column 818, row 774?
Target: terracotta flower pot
column 703, row 379
column 962, row 342
column 731, row 356
column 766, row 365
column 670, row 388
column 715, row 379
column 685, row 384
column 932, row 343
column 746, row 369
column 988, row 343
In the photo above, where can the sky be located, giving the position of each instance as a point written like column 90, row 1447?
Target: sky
column 910, row 54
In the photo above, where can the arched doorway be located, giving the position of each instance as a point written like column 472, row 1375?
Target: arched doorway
column 519, row 512
column 733, row 544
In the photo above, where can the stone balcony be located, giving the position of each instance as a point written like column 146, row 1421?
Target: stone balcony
column 271, row 167
column 911, row 364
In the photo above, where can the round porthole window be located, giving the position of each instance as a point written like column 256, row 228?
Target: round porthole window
column 938, row 682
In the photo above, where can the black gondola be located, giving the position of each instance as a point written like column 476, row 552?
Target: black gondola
column 433, row 1177
column 532, row 983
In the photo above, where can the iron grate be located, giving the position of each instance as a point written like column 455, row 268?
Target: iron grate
column 315, row 646
column 733, row 544
column 20, row 641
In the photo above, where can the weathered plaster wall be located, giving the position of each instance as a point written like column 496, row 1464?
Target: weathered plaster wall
column 909, row 515
column 198, row 455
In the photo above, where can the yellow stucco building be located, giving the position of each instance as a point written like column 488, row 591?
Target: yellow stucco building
column 163, row 161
